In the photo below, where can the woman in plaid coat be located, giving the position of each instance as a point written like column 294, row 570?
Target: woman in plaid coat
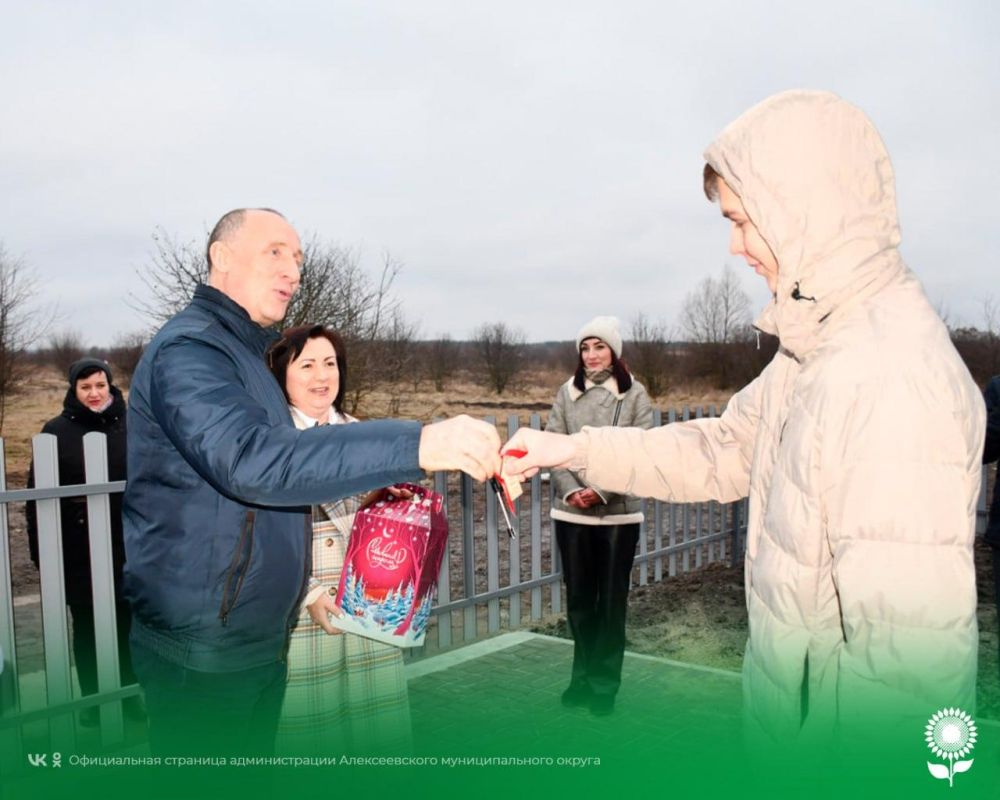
column 346, row 693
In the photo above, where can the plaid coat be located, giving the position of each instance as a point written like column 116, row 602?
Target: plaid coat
column 346, row 693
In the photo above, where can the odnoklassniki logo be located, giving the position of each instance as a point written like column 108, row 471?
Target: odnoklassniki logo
column 950, row 734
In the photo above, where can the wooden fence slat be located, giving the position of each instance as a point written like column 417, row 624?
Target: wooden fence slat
column 555, row 596
column 536, row 532
column 444, row 575
column 514, row 545
column 492, row 554
column 55, row 630
column 470, row 630
column 102, row 575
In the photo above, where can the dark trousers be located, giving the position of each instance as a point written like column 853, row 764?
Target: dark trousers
column 596, row 563
column 85, row 646
column 209, row 713
column 996, row 577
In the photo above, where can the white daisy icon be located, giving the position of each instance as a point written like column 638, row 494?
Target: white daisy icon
column 950, row 734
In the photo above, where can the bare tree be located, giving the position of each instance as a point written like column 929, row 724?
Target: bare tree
column 126, row 350
column 991, row 334
column 175, row 268
column 717, row 311
column 22, row 322
column 716, row 317
column 335, row 290
column 64, row 348
column 331, row 274
column 649, row 356
column 442, row 360
column 393, row 356
column 501, row 353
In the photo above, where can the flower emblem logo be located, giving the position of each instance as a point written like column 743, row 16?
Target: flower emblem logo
column 950, row 734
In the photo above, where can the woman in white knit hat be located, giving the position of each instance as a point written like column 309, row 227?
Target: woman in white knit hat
column 596, row 531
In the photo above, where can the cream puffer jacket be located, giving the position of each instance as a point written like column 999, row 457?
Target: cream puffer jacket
column 859, row 445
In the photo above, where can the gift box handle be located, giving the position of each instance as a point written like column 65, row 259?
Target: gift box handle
column 437, row 501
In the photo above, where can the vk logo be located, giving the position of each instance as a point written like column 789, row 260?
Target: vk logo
column 38, row 759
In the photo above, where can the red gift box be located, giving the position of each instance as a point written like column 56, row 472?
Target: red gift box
column 391, row 567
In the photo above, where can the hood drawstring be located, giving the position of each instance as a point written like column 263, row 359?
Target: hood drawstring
column 757, row 331
column 797, row 295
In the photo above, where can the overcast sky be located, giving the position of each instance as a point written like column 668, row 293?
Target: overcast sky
column 536, row 162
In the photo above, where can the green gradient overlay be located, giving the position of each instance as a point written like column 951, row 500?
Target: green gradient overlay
column 493, row 726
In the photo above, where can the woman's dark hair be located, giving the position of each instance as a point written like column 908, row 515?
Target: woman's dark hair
column 290, row 346
column 86, row 372
column 619, row 369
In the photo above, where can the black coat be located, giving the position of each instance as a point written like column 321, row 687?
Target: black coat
column 991, row 453
column 69, row 429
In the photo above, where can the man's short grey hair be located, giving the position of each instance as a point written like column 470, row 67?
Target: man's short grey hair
column 228, row 225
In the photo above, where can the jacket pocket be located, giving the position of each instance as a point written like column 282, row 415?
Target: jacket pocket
column 238, row 568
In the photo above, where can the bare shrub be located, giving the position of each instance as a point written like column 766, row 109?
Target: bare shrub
column 501, row 354
column 441, row 358
column 715, row 316
column 65, row 347
column 335, row 290
column 22, row 322
column 650, row 354
column 124, row 355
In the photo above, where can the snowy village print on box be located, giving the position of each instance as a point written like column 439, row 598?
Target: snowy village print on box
column 391, row 567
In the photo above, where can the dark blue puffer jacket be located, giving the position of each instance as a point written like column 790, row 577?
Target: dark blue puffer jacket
column 217, row 534
column 991, row 453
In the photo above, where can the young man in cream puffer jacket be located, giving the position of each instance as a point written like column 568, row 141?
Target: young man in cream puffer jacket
column 859, row 445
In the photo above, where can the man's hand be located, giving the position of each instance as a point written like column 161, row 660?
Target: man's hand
column 461, row 443
column 395, row 491
column 543, row 450
column 320, row 611
column 584, row 498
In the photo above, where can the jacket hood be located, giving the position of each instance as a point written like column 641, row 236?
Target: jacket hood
column 816, row 180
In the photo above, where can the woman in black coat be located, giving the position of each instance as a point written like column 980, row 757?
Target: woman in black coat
column 92, row 403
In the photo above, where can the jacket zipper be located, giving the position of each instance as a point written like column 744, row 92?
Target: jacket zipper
column 238, row 568
column 306, row 569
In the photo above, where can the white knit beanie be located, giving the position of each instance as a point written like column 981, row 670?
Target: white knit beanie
column 605, row 329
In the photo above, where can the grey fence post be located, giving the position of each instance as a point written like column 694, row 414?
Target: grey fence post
column 468, row 557
column 983, row 503
column 643, row 546
column 536, row 532
column 686, row 517
column 555, row 597
column 514, row 571
column 444, row 576
column 657, row 517
column 735, row 545
column 95, row 458
column 59, row 686
column 672, row 511
column 492, row 554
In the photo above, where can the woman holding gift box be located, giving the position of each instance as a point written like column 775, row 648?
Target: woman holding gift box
column 596, row 531
column 346, row 693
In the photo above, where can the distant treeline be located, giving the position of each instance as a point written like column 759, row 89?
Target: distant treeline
column 659, row 365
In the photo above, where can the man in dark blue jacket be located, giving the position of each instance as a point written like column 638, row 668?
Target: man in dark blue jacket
column 215, row 512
